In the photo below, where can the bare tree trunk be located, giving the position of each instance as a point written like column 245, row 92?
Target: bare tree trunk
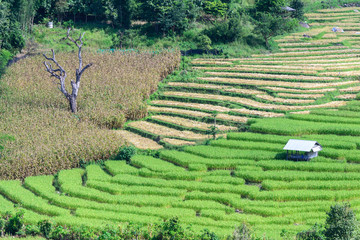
column 73, row 104
column 60, row 73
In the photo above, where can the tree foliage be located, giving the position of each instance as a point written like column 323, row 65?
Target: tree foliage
column 172, row 15
column 315, row 233
column 271, row 20
column 215, row 7
column 340, row 222
column 298, row 5
column 273, row 6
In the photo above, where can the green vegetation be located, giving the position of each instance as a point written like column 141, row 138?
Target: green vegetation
column 239, row 181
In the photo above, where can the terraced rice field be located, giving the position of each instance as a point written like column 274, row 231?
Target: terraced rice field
column 308, row 73
column 244, row 176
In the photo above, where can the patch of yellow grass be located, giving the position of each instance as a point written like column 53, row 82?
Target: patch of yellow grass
column 253, row 103
column 346, row 96
column 278, row 89
column 191, row 123
column 304, row 67
column 276, row 83
column 312, row 43
column 338, row 10
column 139, row 141
column 324, row 18
column 341, row 74
column 274, row 76
column 165, row 131
column 178, row 111
column 314, row 96
column 250, row 69
column 312, row 49
column 220, row 87
column 178, row 142
column 338, row 24
column 350, row 89
column 217, row 59
column 354, row 55
column 343, row 67
column 228, row 117
column 257, row 113
column 284, row 100
column 302, row 62
column 199, row 106
column 310, row 52
column 332, row 14
column 208, row 62
column 301, row 112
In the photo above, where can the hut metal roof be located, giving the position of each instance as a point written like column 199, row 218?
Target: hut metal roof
column 289, row 9
column 303, row 145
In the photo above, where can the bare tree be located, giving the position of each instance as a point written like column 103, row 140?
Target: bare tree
column 60, row 73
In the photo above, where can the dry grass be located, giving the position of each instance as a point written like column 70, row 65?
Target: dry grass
column 278, row 89
column 324, row 18
column 165, row 131
column 252, row 103
column 284, row 100
column 313, row 43
column 344, row 67
column 274, row 76
column 209, row 62
column 220, row 87
column 301, row 112
column 338, row 24
column 329, row 36
column 307, row 62
column 337, row 10
column 47, row 136
column 277, row 83
column 217, row 59
column 199, row 106
column 346, row 96
column 303, row 67
column 258, row 113
column 177, row 111
column 311, row 49
column 350, row 89
column 228, row 117
column 313, row 96
column 191, row 123
column 178, row 142
column 310, row 52
column 250, row 69
column 307, row 57
column 341, row 74
column 139, row 141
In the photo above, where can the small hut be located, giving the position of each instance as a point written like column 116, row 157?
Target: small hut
column 302, row 150
column 288, row 9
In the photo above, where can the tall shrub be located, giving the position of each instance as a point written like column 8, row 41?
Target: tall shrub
column 340, row 222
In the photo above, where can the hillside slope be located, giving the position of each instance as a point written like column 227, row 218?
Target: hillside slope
column 315, row 69
column 243, row 178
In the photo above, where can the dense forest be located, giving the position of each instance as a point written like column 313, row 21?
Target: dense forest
column 201, row 22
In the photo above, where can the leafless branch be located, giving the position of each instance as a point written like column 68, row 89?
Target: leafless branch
column 60, row 73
